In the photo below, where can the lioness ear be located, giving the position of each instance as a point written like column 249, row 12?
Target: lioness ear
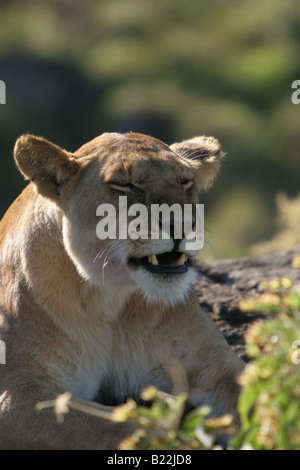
column 205, row 154
column 45, row 164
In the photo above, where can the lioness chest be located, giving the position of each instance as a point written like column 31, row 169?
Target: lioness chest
column 117, row 363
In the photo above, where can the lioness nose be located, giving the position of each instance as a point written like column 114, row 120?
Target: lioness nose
column 175, row 227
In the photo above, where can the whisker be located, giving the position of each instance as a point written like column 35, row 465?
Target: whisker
column 116, row 250
column 103, row 272
column 100, row 254
column 200, row 156
column 189, row 153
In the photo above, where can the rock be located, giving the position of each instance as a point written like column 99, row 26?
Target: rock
column 223, row 284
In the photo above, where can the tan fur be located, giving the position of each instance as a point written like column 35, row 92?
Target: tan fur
column 75, row 316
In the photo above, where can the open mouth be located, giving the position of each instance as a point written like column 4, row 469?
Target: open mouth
column 164, row 263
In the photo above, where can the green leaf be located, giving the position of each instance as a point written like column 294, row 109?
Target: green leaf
column 194, row 419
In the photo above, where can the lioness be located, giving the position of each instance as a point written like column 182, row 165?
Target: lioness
column 99, row 317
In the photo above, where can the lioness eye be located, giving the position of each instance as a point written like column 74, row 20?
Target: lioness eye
column 121, row 187
column 186, row 184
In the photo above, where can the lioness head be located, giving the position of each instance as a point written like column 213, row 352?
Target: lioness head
column 145, row 171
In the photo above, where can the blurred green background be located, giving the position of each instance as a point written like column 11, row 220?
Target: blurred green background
column 173, row 69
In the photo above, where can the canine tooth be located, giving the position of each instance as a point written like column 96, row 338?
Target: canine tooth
column 181, row 260
column 153, row 260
